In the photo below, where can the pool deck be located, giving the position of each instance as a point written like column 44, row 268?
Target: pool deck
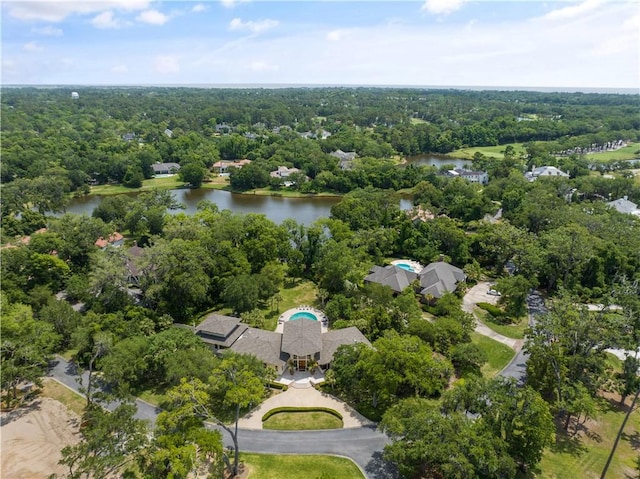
column 286, row 316
column 415, row 266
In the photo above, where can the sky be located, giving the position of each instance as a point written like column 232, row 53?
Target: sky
column 563, row 44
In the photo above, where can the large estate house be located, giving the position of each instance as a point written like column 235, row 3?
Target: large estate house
column 435, row 279
column 300, row 345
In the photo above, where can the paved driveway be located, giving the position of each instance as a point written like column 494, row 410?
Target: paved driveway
column 363, row 445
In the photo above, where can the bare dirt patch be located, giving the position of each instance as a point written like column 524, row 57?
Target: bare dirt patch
column 33, row 437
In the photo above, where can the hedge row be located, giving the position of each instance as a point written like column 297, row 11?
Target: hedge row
column 301, row 409
column 275, row 385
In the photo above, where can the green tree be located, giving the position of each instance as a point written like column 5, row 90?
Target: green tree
column 514, row 290
column 516, row 414
column 110, row 441
column 425, row 443
column 236, row 385
column 193, row 173
column 27, row 344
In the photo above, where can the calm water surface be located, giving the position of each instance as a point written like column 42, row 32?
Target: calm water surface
column 277, row 209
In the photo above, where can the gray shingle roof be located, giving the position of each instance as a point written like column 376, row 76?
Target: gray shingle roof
column 264, row 345
column 302, row 337
column 393, row 276
column 220, row 330
column 439, row 278
column 623, row 205
column 332, row 340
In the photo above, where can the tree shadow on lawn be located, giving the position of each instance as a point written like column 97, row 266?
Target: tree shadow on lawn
column 568, row 444
column 633, row 439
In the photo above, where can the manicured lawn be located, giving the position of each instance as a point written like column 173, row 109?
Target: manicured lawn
column 515, row 330
column 170, row 182
column 585, row 455
column 268, row 466
column 302, row 292
column 54, row 390
column 302, row 420
column 498, row 354
column 488, row 151
column 629, row 152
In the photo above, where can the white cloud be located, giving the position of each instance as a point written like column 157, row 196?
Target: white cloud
column 254, row 27
column 442, row 7
column 232, row 3
column 573, row 11
column 106, row 20
column 56, row 10
column 166, row 64
column 120, row 68
column 335, row 35
column 32, row 47
column 262, row 66
column 153, row 17
column 199, row 8
column 48, row 31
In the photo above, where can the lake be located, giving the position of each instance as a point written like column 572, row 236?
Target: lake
column 277, row 208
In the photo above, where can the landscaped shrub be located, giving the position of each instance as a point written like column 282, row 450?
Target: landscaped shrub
column 492, row 310
column 275, row 385
column 301, row 409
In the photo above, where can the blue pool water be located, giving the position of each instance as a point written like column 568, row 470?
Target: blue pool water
column 405, row 266
column 303, row 315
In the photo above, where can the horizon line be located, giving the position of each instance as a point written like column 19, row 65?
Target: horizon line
column 543, row 89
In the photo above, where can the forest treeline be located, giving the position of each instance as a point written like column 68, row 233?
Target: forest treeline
column 553, row 234
column 115, row 135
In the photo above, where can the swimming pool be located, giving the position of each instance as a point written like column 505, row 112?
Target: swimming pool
column 303, row 315
column 406, row 266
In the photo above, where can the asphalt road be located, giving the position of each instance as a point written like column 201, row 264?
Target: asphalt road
column 363, row 445
column 517, row 367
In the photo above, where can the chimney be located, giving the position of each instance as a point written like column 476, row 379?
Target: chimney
column 625, row 197
column 442, row 258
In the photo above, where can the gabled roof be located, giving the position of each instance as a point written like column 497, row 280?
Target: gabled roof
column 439, row 278
column 343, row 155
column 302, row 337
column 393, row 276
column 220, row 330
column 264, row 345
column 623, row 205
column 332, row 340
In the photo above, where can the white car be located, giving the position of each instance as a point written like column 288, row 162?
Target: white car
column 494, row 292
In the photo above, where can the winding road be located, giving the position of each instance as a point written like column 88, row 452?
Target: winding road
column 363, row 445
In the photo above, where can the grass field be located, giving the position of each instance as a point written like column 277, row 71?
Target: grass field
column 167, row 183
column 498, row 354
column 585, row 455
column 629, row 152
column 268, row 466
column 302, row 421
column 515, row 331
column 54, row 390
column 300, row 292
column 418, row 121
column 488, row 151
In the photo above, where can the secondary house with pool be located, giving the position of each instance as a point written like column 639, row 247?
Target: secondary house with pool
column 300, row 341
